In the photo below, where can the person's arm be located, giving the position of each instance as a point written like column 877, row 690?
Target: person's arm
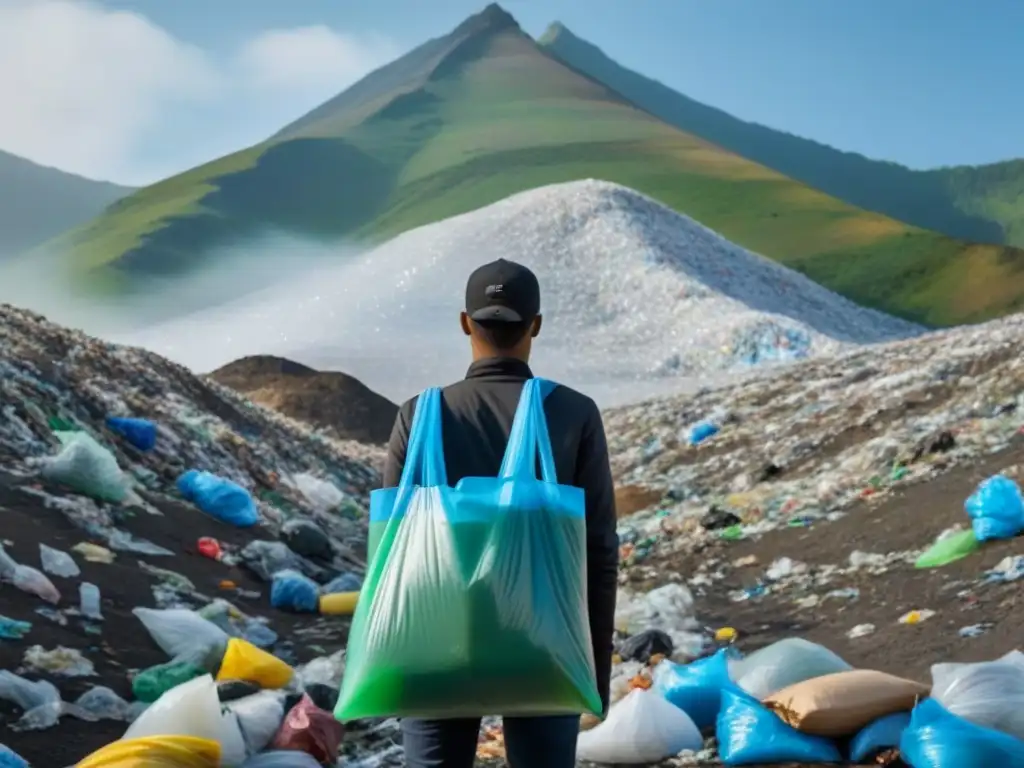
column 594, row 476
column 397, row 445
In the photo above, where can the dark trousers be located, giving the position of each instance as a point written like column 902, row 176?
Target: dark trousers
column 530, row 742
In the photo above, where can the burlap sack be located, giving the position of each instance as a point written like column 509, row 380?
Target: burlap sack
column 843, row 703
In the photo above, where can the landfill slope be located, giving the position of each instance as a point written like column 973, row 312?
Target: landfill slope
column 638, row 300
column 330, row 400
column 52, row 378
column 804, row 515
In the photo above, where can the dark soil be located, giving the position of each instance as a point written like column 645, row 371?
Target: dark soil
column 124, row 644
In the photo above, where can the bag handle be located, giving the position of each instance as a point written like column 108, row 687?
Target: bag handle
column 424, row 454
column 529, row 437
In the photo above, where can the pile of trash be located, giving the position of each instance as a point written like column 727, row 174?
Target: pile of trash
column 806, row 442
column 216, row 633
column 795, row 701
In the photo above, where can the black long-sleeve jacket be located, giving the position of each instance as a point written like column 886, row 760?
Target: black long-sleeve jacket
column 476, row 419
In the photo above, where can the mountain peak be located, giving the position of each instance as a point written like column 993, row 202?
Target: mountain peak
column 556, row 31
column 493, row 18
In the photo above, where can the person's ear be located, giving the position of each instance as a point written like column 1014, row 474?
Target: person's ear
column 537, row 322
column 464, row 322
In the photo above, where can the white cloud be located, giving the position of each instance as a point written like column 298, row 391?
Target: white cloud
column 109, row 94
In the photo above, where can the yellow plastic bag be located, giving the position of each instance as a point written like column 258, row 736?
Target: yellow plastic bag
column 156, row 752
column 339, row 604
column 244, row 661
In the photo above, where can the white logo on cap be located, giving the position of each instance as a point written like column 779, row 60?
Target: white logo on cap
column 493, row 289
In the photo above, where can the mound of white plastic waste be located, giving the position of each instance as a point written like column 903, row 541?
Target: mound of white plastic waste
column 636, row 298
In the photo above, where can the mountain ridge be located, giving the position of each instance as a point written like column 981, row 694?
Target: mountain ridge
column 959, row 201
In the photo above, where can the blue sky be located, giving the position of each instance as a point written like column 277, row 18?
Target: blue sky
column 921, row 82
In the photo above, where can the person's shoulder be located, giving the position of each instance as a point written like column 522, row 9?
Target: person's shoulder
column 568, row 400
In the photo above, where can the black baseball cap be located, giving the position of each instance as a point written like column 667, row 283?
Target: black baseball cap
column 503, row 292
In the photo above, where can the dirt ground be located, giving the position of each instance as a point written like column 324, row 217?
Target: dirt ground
column 124, row 644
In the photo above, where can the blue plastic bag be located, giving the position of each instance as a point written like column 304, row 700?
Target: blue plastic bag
column 936, row 738
column 345, row 582
column 749, row 733
column 293, row 591
column 996, row 509
column 702, row 431
column 502, row 560
column 227, row 501
column 139, row 432
column 696, row 688
column 11, row 759
column 884, row 733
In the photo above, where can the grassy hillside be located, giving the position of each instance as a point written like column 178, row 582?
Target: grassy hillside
column 984, row 203
column 482, row 113
column 39, row 203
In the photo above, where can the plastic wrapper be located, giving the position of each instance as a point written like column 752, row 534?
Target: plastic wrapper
column 292, row 591
column 141, row 433
column 988, row 693
column 696, row 688
column 936, row 738
column 220, row 498
column 35, row 582
column 156, row 752
column 307, row 728
column 102, row 703
column 322, row 495
column 87, row 467
column 244, row 661
column 193, row 709
column 785, row 663
column 184, row 635
column 57, row 563
column 949, row 550
column 641, row 729
column 881, row 735
column 996, row 509
column 749, row 733
column 502, row 559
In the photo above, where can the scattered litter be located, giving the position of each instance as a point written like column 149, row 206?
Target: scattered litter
column 68, row 662
column 58, row 563
column 93, row 553
column 916, row 617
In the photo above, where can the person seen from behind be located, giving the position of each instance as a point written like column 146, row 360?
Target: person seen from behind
column 501, row 319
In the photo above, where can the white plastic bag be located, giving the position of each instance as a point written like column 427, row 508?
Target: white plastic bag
column 58, row 563
column 259, row 716
column 87, row 467
column 184, row 634
column 669, row 608
column 322, row 495
column 35, row 582
column 642, row 728
column 193, row 709
column 39, row 700
column 784, row 663
column 989, row 693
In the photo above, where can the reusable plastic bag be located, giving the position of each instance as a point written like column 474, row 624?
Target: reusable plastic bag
column 642, row 728
column 500, row 560
column 86, row 467
column 183, row 634
column 696, row 688
column 292, row 591
column 220, row 498
column 996, row 509
column 141, row 433
column 988, row 693
column 156, row 752
column 785, row 663
column 192, row 709
column 936, row 738
column 244, row 661
column 749, row 733
column 949, row 550
column 839, row 705
column 879, row 736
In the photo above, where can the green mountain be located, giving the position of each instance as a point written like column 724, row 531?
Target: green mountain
column 984, row 203
column 484, row 112
column 39, row 203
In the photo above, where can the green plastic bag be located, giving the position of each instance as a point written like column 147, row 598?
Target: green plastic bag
column 948, row 550
column 150, row 684
column 474, row 601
